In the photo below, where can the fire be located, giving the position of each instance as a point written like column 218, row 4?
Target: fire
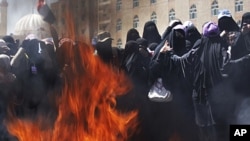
column 86, row 105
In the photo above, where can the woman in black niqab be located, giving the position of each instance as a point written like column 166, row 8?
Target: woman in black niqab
column 192, row 35
column 151, row 33
column 208, row 63
column 132, row 34
column 238, row 69
column 245, row 23
column 177, row 41
column 242, row 46
column 204, row 65
column 175, row 78
column 165, row 37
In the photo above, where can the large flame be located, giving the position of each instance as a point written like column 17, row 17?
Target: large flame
column 86, row 105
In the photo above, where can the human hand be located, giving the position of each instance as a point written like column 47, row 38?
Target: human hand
column 165, row 48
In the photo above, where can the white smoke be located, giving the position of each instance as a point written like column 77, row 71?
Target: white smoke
column 19, row 8
column 243, row 114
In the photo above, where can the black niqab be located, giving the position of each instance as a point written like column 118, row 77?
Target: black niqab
column 177, row 41
column 192, row 35
column 242, row 46
column 246, row 19
column 132, row 34
column 228, row 24
column 151, row 33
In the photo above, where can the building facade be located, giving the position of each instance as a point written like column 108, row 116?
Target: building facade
column 3, row 17
column 81, row 14
column 128, row 14
column 118, row 16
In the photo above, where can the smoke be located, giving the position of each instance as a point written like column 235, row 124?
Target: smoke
column 17, row 9
column 243, row 112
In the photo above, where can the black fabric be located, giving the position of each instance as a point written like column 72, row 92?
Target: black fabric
column 152, row 46
column 242, row 46
column 132, row 34
column 104, row 50
column 208, row 63
column 135, row 66
column 151, row 33
column 200, row 67
column 177, row 41
column 142, row 42
column 169, row 28
column 181, row 109
column 8, row 39
column 228, row 24
column 192, row 35
column 246, row 19
column 134, row 63
column 238, row 72
column 33, row 50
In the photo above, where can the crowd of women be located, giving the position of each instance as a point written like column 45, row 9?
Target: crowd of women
column 206, row 72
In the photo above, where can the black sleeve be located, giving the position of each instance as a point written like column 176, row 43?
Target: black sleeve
column 241, row 63
column 166, row 62
column 158, row 65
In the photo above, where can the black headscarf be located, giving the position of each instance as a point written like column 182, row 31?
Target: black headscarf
column 151, row 33
column 33, row 49
column 11, row 44
column 132, row 34
column 192, row 35
column 228, row 24
column 246, row 19
column 142, row 42
column 177, row 41
column 104, row 50
column 130, row 51
column 242, row 46
column 170, row 27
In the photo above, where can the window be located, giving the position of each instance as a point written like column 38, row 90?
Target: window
column 136, row 21
column 119, row 43
column 135, row 3
column 118, row 5
column 152, row 1
column 171, row 15
column 119, row 25
column 192, row 12
column 214, row 8
column 153, row 17
column 238, row 5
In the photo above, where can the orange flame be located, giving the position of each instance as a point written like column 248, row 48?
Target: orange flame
column 86, row 106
